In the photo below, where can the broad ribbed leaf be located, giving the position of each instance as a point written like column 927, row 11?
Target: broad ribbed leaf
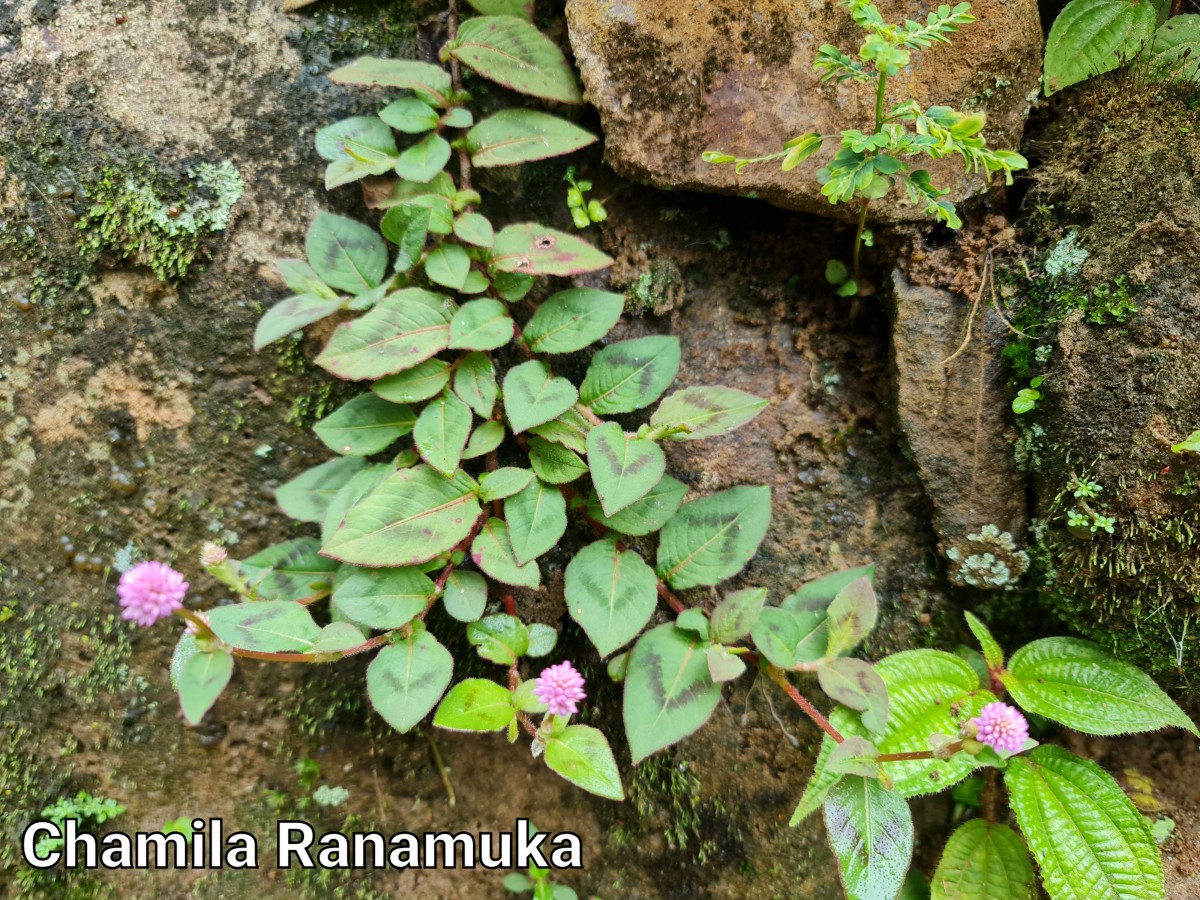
column 476, row 704
column 537, row 519
column 365, row 425
column 492, row 551
column 521, row 8
column 572, row 319
column 346, row 253
column 401, row 73
column 984, row 861
column 610, row 593
column 511, row 52
column 268, row 625
column 481, row 325
column 475, row 384
column 1094, row 36
column 291, row 315
column 707, row 411
column 713, row 538
column 413, row 516
column 1076, row 683
column 382, row 598
column 405, row 680
column 514, row 136
column 532, row 396
column 629, row 375
column 870, row 830
column 1089, row 840
column 669, row 692
column 623, row 469
column 580, row 754
column 418, row 383
column 306, row 497
column 647, row 515
column 532, row 249
column 356, row 147
column 1176, row 54
column 441, row 433
column 404, row 329
column 201, row 679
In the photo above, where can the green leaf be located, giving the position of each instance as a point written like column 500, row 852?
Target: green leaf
column 441, row 433
column 1089, row 840
column 610, row 593
column 788, row 637
column 856, row 684
column 820, row 592
column 289, row 571
column 291, row 315
column 628, row 375
column 669, row 692
column 870, row 830
column 448, row 265
column 201, row 680
column 993, row 656
column 301, row 278
column 800, row 149
column 481, row 325
column 694, row 619
column 984, row 861
column 502, row 639
column 476, row 704
column 707, row 411
column 492, row 551
column 424, row 160
column 735, row 616
column 356, row 147
column 414, row 515
column 403, row 330
column 1190, row 444
column 405, row 680
column 474, row 229
column 537, row 519
column 713, row 538
column 851, row 616
column 364, row 425
column 362, row 483
column 267, row 625
column 647, row 515
column 1175, row 53
column 581, row 755
column 514, row 136
column 542, row 639
column 401, row 73
column 336, row 637
column 475, row 384
column 568, row 430
column 465, row 596
column 521, row 8
column 382, row 598
column 722, row 665
column 306, row 497
column 1090, row 37
column 855, row 756
column 1076, row 683
column 570, row 320
column 410, row 115
column 553, row 463
column 484, row 439
column 407, row 227
column 503, row 482
column 623, row 470
column 532, row 249
column 418, row 383
column 511, row 52
column 346, row 254
column 532, row 396
column 436, row 196
column 512, row 286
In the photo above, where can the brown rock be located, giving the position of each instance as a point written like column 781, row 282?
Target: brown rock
column 672, row 81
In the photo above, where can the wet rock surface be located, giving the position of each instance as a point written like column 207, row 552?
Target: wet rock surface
column 671, row 82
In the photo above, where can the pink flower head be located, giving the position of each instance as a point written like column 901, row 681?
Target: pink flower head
column 1001, row 727
column 149, row 591
column 560, row 688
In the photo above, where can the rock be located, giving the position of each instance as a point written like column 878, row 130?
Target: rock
column 671, row 82
column 956, row 420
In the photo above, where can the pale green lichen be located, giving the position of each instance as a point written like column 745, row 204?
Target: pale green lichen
column 991, row 561
column 1067, row 257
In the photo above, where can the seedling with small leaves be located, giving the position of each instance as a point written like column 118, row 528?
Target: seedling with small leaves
column 869, row 165
column 583, row 211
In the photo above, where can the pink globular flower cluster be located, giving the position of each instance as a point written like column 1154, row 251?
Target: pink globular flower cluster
column 560, row 688
column 1001, row 727
column 150, row 591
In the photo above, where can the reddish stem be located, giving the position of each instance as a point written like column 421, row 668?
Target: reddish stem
column 670, row 599
column 371, row 644
column 800, row 700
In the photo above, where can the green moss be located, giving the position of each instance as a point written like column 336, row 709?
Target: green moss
column 156, row 221
column 657, row 290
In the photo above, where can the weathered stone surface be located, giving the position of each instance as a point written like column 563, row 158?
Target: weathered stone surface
column 672, row 80
column 957, row 422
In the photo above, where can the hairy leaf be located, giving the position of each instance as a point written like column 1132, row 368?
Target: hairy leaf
column 647, row 515
column 481, row 325
column 475, row 385
column 537, row 518
column 532, row 396
column 983, row 861
column 421, row 382
column 267, row 625
column 306, row 497
column 870, row 830
column 1090, row 37
column 202, row 678
column 401, row 73
column 441, row 433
